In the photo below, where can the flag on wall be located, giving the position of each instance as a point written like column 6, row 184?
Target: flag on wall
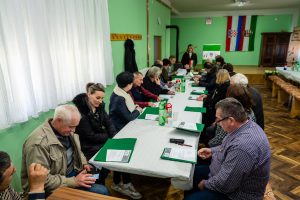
column 240, row 33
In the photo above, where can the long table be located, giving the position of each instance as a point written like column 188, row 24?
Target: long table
column 66, row 193
column 152, row 139
column 289, row 74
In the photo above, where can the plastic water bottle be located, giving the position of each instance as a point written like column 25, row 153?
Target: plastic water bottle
column 182, row 87
column 161, row 113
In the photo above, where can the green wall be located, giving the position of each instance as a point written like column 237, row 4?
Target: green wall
column 126, row 16
column 130, row 16
column 158, row 12
column 299, row 17
column 195, row 31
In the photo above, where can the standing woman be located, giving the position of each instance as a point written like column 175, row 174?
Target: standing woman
column 189, row 58
column 122, row 110
column 95, row 127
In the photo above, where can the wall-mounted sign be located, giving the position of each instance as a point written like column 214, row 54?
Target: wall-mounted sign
column 124, row 36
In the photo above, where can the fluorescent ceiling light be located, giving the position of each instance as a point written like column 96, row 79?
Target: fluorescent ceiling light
column 241, row 2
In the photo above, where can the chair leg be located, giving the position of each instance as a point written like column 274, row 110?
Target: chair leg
column 274, row 90
column 295, row 109
column 282, row 96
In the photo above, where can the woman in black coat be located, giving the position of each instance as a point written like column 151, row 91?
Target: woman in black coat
column 189, row 58
column 95, row 127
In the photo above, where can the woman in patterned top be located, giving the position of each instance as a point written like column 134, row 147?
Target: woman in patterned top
column 242, row 94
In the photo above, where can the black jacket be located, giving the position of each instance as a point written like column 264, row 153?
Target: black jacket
column 209, row 82
column 129, row 57
column 211, row 101
column 257, row 107
column 119, row 113
column 153, row 87
column 94, row 128
column 186, row 58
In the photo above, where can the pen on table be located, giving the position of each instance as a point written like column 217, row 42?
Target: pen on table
column 187, row 145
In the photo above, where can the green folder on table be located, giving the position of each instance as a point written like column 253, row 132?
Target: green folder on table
column 195, row 85
column 195, row 109
column 199, row 92
column 148, row 110
column 186, row 155
column 126, row 144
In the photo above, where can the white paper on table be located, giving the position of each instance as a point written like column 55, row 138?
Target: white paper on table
column 113, row 155
column 200, row 89
column 156, row 104
column 185, row 125
column 181, row 72
column 181, row 154
column 164, row 96
column 151, row 117
column 193, row 97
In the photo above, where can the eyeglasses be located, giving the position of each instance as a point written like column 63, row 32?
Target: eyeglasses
column 218, row 121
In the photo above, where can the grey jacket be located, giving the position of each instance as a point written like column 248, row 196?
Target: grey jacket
column 43, row 147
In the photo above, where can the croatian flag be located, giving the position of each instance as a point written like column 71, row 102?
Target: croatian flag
column 240, row 33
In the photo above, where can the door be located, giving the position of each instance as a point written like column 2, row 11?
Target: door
column 157, row 48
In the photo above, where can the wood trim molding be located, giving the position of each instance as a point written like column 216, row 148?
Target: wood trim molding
column 124, row 36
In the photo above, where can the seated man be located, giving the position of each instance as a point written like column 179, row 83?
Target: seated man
column 55, row 146
column 164, row 71
column 37, row 178
column 173, row 67
column 139, row 94
column 240, row 166
column 152, row 83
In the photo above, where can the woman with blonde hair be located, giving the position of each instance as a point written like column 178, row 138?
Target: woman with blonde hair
column 210, row 100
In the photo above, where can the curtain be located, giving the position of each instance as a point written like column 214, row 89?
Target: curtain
column 49, row 50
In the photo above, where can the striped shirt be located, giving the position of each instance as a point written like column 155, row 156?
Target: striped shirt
column 240, row 166
column 220, row 134
column 11, row 194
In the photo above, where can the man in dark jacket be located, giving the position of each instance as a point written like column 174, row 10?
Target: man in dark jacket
column 140, row 95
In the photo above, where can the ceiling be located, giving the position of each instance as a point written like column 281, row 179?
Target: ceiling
column 187, row 6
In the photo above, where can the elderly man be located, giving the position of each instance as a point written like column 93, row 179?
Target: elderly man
column 55, row 146
column 240, row 166
column 258, row 104
column 152, row 83
column 37, row 178
column 139, row 94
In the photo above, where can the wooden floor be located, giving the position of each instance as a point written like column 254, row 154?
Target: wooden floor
column 284, row 137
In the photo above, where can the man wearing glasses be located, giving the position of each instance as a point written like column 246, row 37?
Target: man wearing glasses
column 240, row 166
